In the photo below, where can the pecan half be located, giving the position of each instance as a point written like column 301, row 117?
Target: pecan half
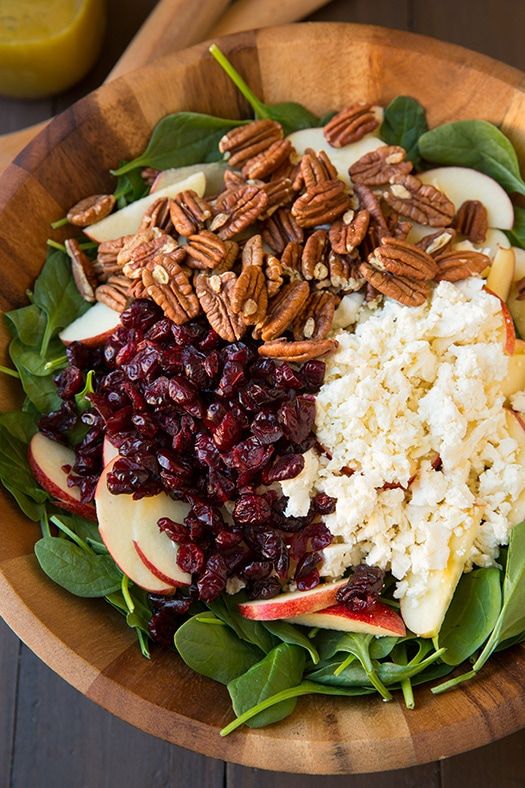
column 379, row 166
column 189, row 212
column 142, row 247
column 232, row 251
column 304, row 350
column 253, row 252
column 233, row 180
column 291, row 260
column 91, row 209
column 437, row 242
column 214, row 293
column 403, row 259
column 249, row 297
column 166, row 283
column 158, row 215
column 238, row 210
column 407, row 291
column 279, row 193
column 206, row 250
column 472, row 221
column 314, row 168
column 344, row 273
column 348, row 232
column 321, row 204
column 283, row 309
column 106, row 262
column 455, row 265
column 83, row 274
column 245, row 142
column 314, row 259
column 350, row 125
column 280, row 229
column 315, row 320
column 370, row 202
column 269, row 160
column 421, row 202
column 114, row 293
column 273, row 271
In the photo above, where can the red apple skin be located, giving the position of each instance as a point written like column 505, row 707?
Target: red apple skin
column 157, row 572
column 292, row 604
column 510, row 332
column 380, row 619
column 519, row 419
column 67, row 498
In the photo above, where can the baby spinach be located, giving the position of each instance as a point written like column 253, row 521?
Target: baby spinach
column 404, row 122
column 381, row 647
column 81, row 572
column 293, row 635
column 15, row 473
column 389, row 673
column 130, row 187
column 215, row 652
column 358, row 645
column 280, row 669
column 226, row 608
column 472, row 614
column 180, row 139
column 477, row 144
column 28, row 324
column 32, row 360
column 289, row 114
column 19, row 425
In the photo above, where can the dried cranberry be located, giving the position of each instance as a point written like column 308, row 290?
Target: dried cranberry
column 227, row 432
column 58, row 422
column 190, row 558
column 69, row 382
column 182, row 391
column 156, row 393
column 164, row 622
column 176, row 531
column 286, row 467
column 159, row 331
column 226, row 539
column 213, row 580
column 212, row 365
column 238, row 352
column 324, row 504
column 254, row 396
column 363, row 588
column 206, row 451
column 187, row 334
column 306, row 564
column 249, row 457
column 287, row 378
column 266, row 427
column 309, row 581
column 141, row 314
column 231, row 379
column 183, row 433
column 298, row 417
column 257, row 570
column 263, row 369
column 209, row 515
column 313, row 372
column 220, row 488
column 210, row 341
column 265, row 589
column 80, row 355
column 252, row 510
column 194, row 369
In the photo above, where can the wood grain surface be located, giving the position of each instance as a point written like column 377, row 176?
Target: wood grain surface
column 45, row 722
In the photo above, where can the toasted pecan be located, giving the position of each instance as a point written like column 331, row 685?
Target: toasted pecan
column 238, row 210
column 206, row 250
column 321, row 204
column 316, row 318
column 280, row 229
column 377, row 167
column 91, row 209
column 314, row 259
column 472, row 221
column 421, row 202
column 214, row 294
column 403, row 259
column 249, row 297
column 283, row 309
column 350, row 125
column 166, row 283
column 189, row 212
column 407, row 291
column 349, row 231
column 269, row 160
column 458, row 264
column 81, row 268
column 303, row 350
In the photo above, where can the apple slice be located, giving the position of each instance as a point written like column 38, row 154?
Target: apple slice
column 501, row 273
column 46, row 459
column 515, row 379
column 122, row 521
column 519, row 263
column 213, row 172
column 380, row 620
column 462, row 183
column 293, row 603
column 155, row 549
column 109, row 451
column 516, row 430
column 93, row 327
column 342, row 158
column 509, row 332
column 127, row 220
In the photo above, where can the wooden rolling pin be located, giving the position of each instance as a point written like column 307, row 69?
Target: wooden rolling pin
column 175, row 24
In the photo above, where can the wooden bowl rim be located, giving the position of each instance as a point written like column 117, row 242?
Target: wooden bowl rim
column 497, row 718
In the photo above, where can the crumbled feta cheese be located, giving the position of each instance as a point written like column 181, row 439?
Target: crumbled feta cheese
column 347, row 312
column 409, row 387
column 234, row 585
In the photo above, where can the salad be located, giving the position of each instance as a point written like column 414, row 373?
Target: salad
column 274, row 401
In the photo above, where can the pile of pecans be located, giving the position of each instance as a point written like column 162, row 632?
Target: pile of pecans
column 276, row 251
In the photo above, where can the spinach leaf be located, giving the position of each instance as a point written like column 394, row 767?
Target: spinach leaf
column 254, row 632
column 280, row 669
column 389, row 673
column 57, row 295
column 214, row 651
column 477, row 144
column 180, row 139
column 81, row 572
column 472, row 615
column 130, row 187
column 19, row 425
column 14, row 467
column 28, row 324
column 293, row 635
column 30, row 508
column 403, row 124
column 517, row 235
column 289, row 114
column 82, row 400
column 381, row 647
column 32, row 361
column 85, row 529
column 358, row 645
column 41, row 391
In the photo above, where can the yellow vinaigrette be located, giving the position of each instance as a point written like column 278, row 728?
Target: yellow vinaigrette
column 47, row 45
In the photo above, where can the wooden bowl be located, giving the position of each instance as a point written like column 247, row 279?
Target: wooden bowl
column 323, row 66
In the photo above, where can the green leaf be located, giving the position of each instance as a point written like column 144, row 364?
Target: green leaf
column 477, row 144
column 28, row 324
column 35, row 511
column 15, row 473
column 293, row 635
column 85, row 529
column 517, row 235
column 289, row 114
column 82, row 401
column 80, row 572
column 472, row 614
column 215, row 652
column 41, row 391
column 19, row 425
column 130, row 187
column 389, row 673
column 357, row 644
column 381, row 647
column 32, row 361
column 226, row 608
column 403, row 124
column 180, row 139
column 280, row 669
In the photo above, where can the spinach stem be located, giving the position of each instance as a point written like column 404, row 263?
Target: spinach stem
column 56, row 245
column 144, row 650
column 59, row 223
column 204, row 619
column 313, row 632
column 8, row 371
column 376, row 682
column 348, row 661
column 55, row 363
column 125, row 593
column 453, row 682
column 88, row 245
column 68, row 532
column 257, row 105
column 44, row 525
column 406, row 684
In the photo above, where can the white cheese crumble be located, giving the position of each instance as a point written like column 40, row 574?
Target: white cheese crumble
column 417, row 449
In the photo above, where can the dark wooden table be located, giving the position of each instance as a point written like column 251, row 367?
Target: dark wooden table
column 51, row 736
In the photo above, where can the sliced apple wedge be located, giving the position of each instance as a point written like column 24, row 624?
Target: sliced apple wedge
column 519, row 263
column 342, row 158
column 501, row 273
column 123, row 522
column 213, row 172
column 127, row 220
column 46, row 459
column 379, row 620
column 462, row 183
column 155, row 549
column 109, row 451
column 293, row 603
column 93, row 327
column 510, row 345
column 515, row 379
